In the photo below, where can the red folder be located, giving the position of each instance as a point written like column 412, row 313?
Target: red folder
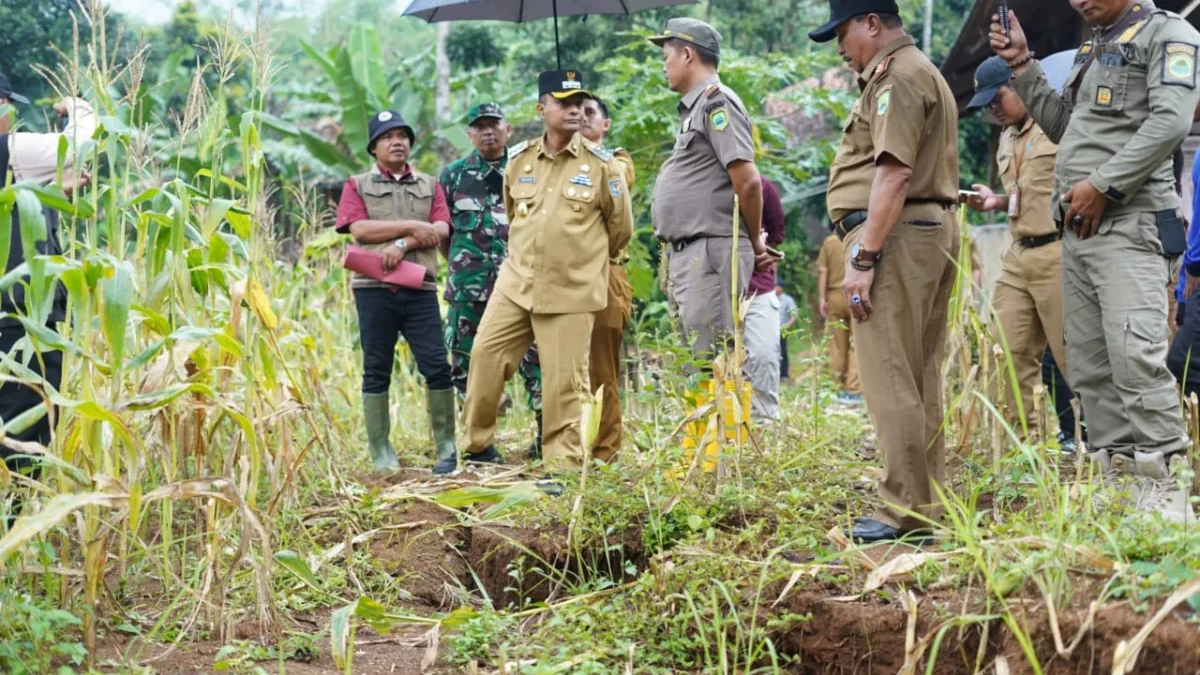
column 407, row 274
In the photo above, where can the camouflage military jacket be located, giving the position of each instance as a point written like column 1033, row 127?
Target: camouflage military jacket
column 479, row 227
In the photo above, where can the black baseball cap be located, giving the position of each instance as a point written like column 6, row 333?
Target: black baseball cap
column 383, row 122
column 561, row 84
column 7, row 92
column 690, row 30
column 992, row 74
column 841, row 11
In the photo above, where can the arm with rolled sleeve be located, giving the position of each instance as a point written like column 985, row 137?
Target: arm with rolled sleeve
column 1171, row 107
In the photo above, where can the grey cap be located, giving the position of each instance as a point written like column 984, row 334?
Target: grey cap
column 992, row 74
column 690, row 30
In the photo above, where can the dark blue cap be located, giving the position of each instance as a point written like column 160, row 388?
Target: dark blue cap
column 992, row 74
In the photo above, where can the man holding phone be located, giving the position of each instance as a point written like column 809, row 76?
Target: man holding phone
column 1028, row 294
column 1126, row 106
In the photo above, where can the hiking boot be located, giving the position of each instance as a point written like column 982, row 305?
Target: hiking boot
column 1164, row 485
column 550, row 487
column 1068, row 446
column 489, row 456
column 440, row 403
column 379, row 428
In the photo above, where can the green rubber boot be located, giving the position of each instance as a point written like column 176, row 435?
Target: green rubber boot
column 441, row 419
column 379, row 427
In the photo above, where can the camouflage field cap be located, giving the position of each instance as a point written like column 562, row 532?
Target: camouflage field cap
column 481, row 110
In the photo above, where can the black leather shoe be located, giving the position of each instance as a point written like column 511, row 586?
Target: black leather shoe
column 550, row 487
column 445, row 467
column 489, row 456
column 869, row 531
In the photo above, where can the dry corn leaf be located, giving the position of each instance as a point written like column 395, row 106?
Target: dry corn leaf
column 899, row 566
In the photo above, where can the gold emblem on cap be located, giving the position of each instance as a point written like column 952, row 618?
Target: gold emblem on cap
column 570, row 192
column 528, row 168
column 585, row 168
column 571, row 75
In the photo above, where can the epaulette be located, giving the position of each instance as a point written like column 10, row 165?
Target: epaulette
column 518, row 149
column 883, row 66
column 712, row 89
column 597, row 150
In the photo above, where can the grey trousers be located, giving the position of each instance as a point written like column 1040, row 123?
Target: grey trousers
column 762, row 355
column 700, row 289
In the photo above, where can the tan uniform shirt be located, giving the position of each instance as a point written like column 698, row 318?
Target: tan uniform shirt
column 832, row 259
column 569, row 213
column 693, row 196
column 908, row 111
column 1026, row 159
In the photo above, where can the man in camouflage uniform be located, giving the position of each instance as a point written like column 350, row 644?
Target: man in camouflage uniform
column 478, row 244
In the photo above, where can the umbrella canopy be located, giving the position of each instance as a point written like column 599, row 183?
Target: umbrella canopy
column 1058, row 66
column 520, row 11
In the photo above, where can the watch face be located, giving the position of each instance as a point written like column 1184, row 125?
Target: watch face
column 854, row 251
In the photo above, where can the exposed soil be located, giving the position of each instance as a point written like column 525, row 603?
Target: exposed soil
column 427, row 559
column 870, row 637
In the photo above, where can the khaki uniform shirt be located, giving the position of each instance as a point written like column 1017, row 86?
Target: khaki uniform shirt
column 1118, row 124
column 906, row 110
column 1026, row 162
column 569, row 213
column 833, row 259
column 693, row 196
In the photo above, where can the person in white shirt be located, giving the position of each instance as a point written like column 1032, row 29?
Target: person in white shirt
column 33, row 157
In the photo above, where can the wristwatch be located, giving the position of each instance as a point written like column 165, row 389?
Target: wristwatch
column 401, row 244
column 860, row 256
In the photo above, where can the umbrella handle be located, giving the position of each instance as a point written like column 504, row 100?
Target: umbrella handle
column 557, row 48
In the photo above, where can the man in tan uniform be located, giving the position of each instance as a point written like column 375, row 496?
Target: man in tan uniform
column 831, row 269
column 569, row 213
column 1127, row 104
column 693, row 198
column 1028, row 295
column 892, row 194
column 604, row 362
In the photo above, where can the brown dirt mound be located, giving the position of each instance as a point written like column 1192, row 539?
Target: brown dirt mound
column 427, row 558
column 517, row 566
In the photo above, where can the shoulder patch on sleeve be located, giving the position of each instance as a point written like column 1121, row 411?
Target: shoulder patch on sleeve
column 517, row 149
column 882, row 98
column 719, row 118
column 1179, row 64
column 614, row 187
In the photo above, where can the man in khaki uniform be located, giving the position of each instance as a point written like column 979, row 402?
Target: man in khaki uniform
column 831, row 269
column 608, row 331
column 1125, row 107
column 892, row 193
column 1028, row 295
column 712, row 161
column 570, row 214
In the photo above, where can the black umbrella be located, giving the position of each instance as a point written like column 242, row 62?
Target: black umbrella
column 520, row 11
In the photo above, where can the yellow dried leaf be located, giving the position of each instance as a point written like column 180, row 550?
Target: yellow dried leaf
column 261, row 304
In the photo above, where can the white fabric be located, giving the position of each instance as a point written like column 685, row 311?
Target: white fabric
column 762, row 355
column 34, row 157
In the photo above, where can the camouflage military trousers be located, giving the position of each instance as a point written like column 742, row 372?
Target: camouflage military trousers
column 461, row 326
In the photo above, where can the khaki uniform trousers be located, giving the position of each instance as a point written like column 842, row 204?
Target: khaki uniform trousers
column 604, row 363
column 842, row 360
column 1115, row 309
column 700, row 289
column 505, row 333
column 1029, row 313
column 900, row 349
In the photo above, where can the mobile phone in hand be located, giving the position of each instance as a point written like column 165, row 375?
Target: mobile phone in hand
column 775, row 253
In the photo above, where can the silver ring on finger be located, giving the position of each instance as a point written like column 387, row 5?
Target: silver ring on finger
column 856, row 299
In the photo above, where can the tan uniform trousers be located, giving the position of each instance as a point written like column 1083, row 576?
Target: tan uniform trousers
column 604, row 363
column 1115, row 316
column 1029, row 313
column 505, row 333
column 900, row 349
column 842, row 360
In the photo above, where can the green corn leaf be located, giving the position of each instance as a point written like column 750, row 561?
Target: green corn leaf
column 293, row 563
column 117, row 299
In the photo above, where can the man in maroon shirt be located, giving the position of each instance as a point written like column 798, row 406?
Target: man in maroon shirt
column 762, row 317
column 401, row 214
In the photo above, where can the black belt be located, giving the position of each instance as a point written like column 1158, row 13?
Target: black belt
column 680, row 244
column 846, row 225
column 1035, row 242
